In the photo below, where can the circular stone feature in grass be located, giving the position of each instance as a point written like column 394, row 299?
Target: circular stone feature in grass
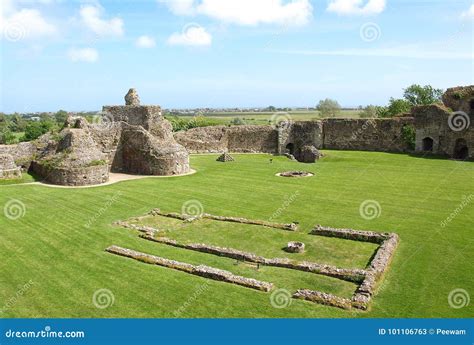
column 295, row 174
column 295, row 247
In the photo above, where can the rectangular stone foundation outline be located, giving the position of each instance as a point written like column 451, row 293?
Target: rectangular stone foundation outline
column 368, row 278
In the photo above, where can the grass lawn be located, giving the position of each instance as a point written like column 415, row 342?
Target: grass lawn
column 58, row 244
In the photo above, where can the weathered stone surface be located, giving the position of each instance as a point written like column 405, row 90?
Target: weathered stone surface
column 23, row 153
column 350, row 234
column 296, row 173
column 446, row 132
column 132, row 98
column 218, row 139
column 200, row 270
column 323, row 298
column 225, row 157
column 460, row 98
column 295, row 247
column 366, row 134
column 308, row 154
column 8, row 168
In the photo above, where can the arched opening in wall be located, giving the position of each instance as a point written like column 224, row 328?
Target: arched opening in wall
column 290, row 148
column 461, row 150
column 471, row 104
column 428, row 144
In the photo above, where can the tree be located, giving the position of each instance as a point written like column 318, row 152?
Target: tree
column 422, row 95
column 18, row 123
column 328, row 107
column 7, row 137
column 35, row 129
column 397, row 106
column 369, row 111
column 61, row 117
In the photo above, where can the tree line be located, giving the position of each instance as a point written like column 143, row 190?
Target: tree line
column 413, row 95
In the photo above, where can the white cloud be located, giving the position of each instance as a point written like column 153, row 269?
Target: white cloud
column 145, row 42
column 192, row 35
column 247, row 12
column 83, row 55
column 24, row 24
column 91, row 18
column 469, row 14
column 356, row 7
column 180, row 7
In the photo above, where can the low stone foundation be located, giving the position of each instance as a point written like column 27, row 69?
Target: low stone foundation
column 201, row 270
column 289, row 227
column 323, row 298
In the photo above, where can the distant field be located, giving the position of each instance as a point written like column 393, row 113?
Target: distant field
column 260, row 118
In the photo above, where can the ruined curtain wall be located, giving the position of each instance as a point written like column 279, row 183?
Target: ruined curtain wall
column 366, row 134
column 233, row 139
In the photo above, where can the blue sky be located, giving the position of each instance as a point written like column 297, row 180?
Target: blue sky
column 80, row 55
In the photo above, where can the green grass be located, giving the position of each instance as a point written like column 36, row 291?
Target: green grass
column 52, row 246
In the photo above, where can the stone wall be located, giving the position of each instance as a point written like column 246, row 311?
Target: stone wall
column 22, row 153
column 292, row 137
column 80, row 176
column 216, row 139
column 366, row 134
column 8, row 168
column 444, row 131
column 143, row 153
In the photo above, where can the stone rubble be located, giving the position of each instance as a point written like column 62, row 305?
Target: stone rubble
column 295, row 247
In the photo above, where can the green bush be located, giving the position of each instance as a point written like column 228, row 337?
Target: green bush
column 408, row 135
